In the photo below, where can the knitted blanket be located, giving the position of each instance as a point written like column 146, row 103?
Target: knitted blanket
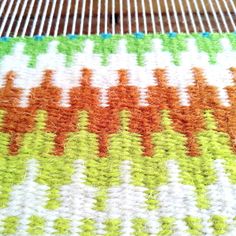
column 118, row 135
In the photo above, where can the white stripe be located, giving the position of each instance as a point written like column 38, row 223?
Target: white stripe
column 222, row 194
column 177, row 200
column 27, row 199
column 126, row 201
column 77, row 199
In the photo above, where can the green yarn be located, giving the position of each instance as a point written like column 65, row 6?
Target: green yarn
column 55, row 172
column 140, row 228
column 195, row 226
column 38, row 143
column 210, row 45
column 33, row 48
column 152, row 202
column 36, row 225
column 70, row 47
column 82, row 143
column 139, row 47
column 105, row 47
column 6, row 48
column 166, row 226
column 124, row 145
column 219, row 224
column 210, row 138
column 4, row 137
column 174, row 45
column 113, row 227
column 100, row 199
column 62, row 226
column 10, row 225
column 168, row 143
column 200, row 173
column 12, row 172
column 87, row 228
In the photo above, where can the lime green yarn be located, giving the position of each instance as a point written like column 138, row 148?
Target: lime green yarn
column 168, row 143
column 62, row 226
column 103, row 172
column 101, row 198
column 55, row 172
column 87, row 227
column 230, row 168
column 38, row 143
column 12, row 172
column 144, row 173
column 10, row 225
column 195, row 226
column 140, row 228
column 219, row 224
column 113, row 227
column 124, row 145
column 4, row 137
column 200, row 173
column 36, row 225
column 82, row 144
column 167, row 224
column 152, row 202
column 210, row 138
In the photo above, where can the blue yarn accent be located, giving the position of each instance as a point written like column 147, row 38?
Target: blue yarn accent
column 172, row 34
column 139, row 35
column 4, row 39
column 206, row 34
column 106, row 35
column 38, row 37
column 72, row 36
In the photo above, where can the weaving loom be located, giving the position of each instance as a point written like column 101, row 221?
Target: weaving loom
column 56, row 17
column 118, row 117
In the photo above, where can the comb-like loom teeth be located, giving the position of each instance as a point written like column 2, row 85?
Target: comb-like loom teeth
column 146, row 2
column 118, row 135
column 46, row 17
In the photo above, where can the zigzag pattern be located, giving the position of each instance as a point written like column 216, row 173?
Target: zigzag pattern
column 118, row 135
column 144, row 119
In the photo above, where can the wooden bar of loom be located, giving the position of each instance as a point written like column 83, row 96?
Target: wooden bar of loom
column 132, row 7
column 115, row 12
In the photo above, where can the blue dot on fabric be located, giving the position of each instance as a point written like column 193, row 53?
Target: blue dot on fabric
column 106, row 35
column 172, row 34
column 139, row 35
column 72, row 36
column 38, row 37
column 206, row 34
column 4, row 39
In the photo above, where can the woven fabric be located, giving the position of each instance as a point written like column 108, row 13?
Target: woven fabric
column 118, row 135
